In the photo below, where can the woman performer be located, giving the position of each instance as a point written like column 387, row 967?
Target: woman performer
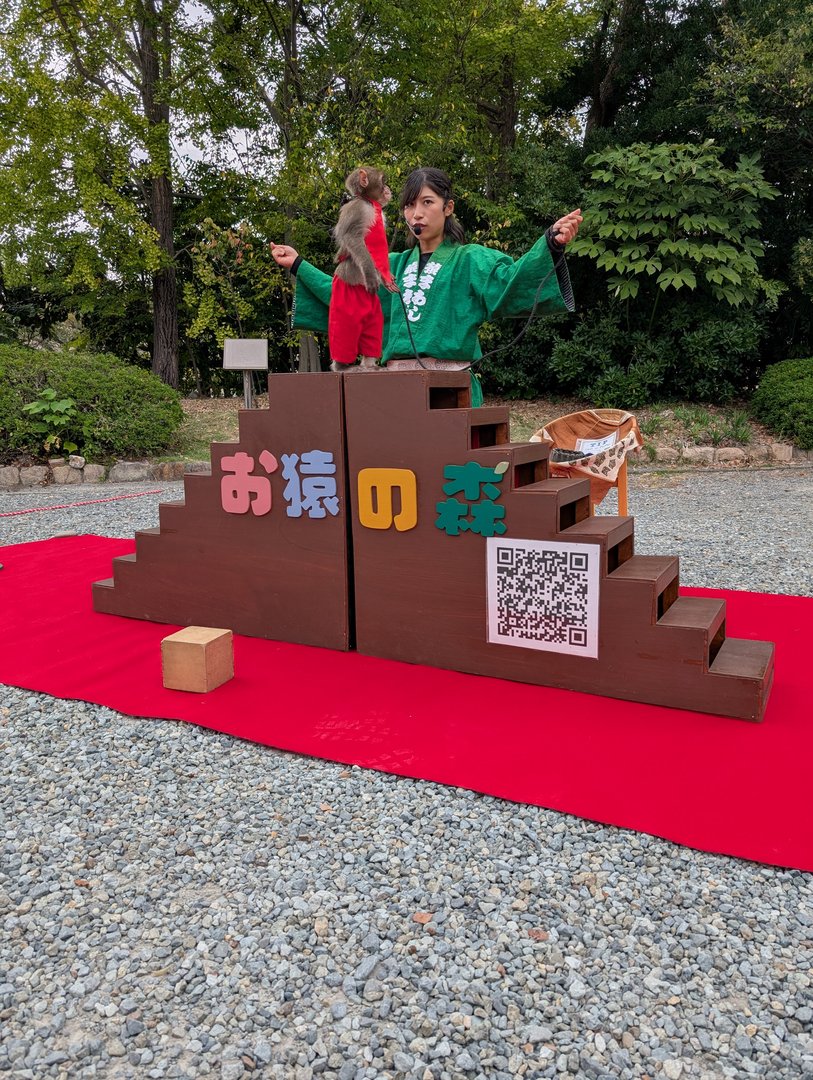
column 449, row 288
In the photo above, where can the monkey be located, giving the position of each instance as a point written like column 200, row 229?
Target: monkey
column 355, row 320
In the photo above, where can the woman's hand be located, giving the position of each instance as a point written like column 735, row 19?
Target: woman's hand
column 283, row 255
column 566, row 228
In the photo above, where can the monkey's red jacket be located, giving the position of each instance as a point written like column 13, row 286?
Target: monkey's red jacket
column 375, row 241
column 356, row 322
column 460, row 287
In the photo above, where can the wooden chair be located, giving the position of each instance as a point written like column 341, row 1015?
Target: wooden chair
column 595, row 443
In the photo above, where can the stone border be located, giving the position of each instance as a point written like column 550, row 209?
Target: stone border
column 77, row 471
column 762, row 454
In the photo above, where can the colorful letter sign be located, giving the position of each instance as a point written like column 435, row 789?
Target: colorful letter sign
column 240, row 491
column 376, row 487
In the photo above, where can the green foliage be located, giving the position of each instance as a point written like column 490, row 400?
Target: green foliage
column 523, row 370
column 760, row 80
column 718, row 355
column 694, row 353
column 52, row 417
column 673, row 216
column 704, row 428
column 802, row 265
column 602, row 363
column 115, row 410
column 757, row 97
column 86, row 176
column 783, row 401
column 235, row 286
column 289, row 97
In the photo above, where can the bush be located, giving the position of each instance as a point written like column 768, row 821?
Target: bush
column 692, row 352
column 118, row 410
column 719, row 355
column 521, row 370
column 783, row 401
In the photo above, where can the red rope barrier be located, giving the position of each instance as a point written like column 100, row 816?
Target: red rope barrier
column 87, row 502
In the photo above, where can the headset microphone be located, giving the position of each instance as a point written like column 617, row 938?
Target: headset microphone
column 416, row 229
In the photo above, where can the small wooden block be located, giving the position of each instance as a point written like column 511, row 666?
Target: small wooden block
column 197, row 658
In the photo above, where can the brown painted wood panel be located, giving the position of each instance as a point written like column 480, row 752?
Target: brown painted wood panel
column 421, row 595
column 267, row 575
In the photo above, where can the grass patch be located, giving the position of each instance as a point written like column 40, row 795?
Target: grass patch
column 208, row 420
column 699, row 425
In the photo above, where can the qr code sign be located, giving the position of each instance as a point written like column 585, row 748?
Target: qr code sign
column 543, row 595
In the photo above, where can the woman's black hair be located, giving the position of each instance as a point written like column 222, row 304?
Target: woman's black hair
column 439, row 182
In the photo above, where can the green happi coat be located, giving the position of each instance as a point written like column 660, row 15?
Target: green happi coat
column 460, row 287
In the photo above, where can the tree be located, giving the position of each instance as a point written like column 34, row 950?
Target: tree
column 757, row 95
column 674, row 216
column 86, row 108
column 635, row 64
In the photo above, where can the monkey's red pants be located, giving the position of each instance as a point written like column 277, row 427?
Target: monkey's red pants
column 355, row 324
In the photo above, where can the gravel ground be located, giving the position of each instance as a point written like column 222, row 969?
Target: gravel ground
column 178, row 903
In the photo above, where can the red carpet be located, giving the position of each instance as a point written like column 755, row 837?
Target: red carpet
column 716, row 784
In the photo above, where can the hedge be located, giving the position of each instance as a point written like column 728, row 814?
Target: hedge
column 119, row 410
column 783, row 401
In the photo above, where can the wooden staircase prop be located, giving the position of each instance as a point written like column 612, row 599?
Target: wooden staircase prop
column 260, row 574
column 459, row 551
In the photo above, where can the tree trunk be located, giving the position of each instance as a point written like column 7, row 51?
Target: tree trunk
column 502, row 116
column 155, row 57
column 165, row 328
column 610, row 80
column 309, row 354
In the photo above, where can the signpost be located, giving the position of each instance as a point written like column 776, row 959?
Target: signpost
column 246, row 355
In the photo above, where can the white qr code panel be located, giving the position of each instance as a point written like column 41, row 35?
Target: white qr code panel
column 543, row 595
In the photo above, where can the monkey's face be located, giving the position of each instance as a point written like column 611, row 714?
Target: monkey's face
column 370, row 184
column 376, row 189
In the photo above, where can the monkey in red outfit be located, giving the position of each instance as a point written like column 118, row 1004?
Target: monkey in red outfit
column 355, row 319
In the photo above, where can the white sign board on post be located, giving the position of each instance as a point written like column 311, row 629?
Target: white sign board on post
column 246, row 355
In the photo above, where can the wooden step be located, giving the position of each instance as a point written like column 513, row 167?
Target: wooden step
column 566, row 490
column 745, row 671
column 219, row 450
column 648, row 578
column 695, row 613
column 740, row 658
column 488, row 427
column 615, row 534
column 124, row 571
column 198, row 491
column 150, row 542
column 172, row 516
column 454, row 394
column 519, row 452
column 659, row 570
column 105, row 597
column 529, row 462
column 700, row 623
column 570, row 501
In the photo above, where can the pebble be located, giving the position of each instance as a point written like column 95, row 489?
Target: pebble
column 174, row 902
